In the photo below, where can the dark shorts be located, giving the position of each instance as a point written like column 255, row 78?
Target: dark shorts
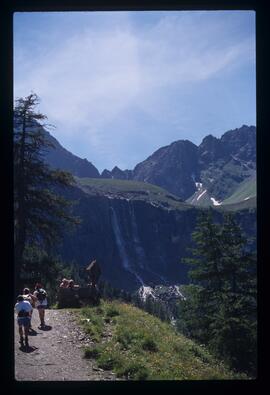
column 24, row 321
column 41, row 306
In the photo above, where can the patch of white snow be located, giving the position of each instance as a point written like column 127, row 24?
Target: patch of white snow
column 215, row 202
column 201, row 194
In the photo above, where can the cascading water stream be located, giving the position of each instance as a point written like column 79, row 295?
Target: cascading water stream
column 141, row 258
column 121, row 246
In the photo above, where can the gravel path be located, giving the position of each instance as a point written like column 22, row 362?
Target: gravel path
column 56, row 354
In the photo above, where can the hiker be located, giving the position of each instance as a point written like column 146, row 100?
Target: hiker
column 23, row 308
column 94, row 272
column 41, row 303
column 31, row 299
column 71, row 285
column 64, row 283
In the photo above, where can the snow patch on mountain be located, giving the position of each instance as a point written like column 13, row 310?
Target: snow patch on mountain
column 201, row 194
column 215, row 202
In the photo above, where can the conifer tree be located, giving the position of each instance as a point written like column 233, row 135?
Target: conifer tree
column 220, row 308
column 39, row 209
column 234, row 325
column 206, row 273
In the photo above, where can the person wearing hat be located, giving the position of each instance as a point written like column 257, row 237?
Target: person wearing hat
column 23, row 309
column 41, row 303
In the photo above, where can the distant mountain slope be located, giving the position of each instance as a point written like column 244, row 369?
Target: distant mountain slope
column 172, row 167
column 245, row 191
column 203, row 175
column 60, row 158
column 131, row 190
column 228, row 161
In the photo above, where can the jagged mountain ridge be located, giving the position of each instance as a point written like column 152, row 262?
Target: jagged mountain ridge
column 203, row 175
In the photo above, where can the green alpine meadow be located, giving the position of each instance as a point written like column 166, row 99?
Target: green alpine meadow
column 140, row 346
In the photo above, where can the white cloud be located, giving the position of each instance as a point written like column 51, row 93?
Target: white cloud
column 94, row 77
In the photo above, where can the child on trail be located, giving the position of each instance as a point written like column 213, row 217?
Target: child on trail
column 41, row 303
column 23, row 309
column 31, row 299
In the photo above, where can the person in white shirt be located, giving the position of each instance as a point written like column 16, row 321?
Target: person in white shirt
column 31, row 299
column 23, row 309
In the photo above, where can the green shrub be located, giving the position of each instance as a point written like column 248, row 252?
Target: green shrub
column 125, row 338
column 149, row 345
column 99, row 310
column 112, row 312
column 200, row 353
column 134, row 371
column 110, row 360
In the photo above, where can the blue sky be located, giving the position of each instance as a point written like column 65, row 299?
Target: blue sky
column 119, row 85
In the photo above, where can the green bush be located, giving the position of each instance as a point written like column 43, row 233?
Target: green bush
column 112, row 312
column 134, row 371
column 110, row 360
column 149, row 345
column 125, row 338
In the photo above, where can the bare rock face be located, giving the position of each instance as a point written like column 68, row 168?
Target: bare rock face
column 117, row 173
column 241, row 143
column 173, row 168
column 136, row 242
column 228, row 161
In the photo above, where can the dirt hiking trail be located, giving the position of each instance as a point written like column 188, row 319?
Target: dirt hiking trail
column 56, row 352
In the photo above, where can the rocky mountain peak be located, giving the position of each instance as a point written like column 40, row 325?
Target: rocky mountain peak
column 171, row 167
column 241, row 143
column 211, row 149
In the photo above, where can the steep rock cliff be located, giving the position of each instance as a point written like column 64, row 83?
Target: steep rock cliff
column 137, row 243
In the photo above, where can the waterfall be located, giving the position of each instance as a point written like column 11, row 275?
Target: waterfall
column 141, row 257
column 121, row 246
column 136, row 240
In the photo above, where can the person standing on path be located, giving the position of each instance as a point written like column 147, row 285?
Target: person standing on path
column 41, row 303
column 23, row 309
column 31, row 299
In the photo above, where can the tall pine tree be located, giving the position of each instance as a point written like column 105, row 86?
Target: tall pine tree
column 39, row 210
column 220, row 309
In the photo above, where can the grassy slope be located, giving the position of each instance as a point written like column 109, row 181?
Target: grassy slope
column 243, row 205
column 132, row 190
column 141, row 347
column 247, row 189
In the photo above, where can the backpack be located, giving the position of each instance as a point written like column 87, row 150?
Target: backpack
column 41, row 295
